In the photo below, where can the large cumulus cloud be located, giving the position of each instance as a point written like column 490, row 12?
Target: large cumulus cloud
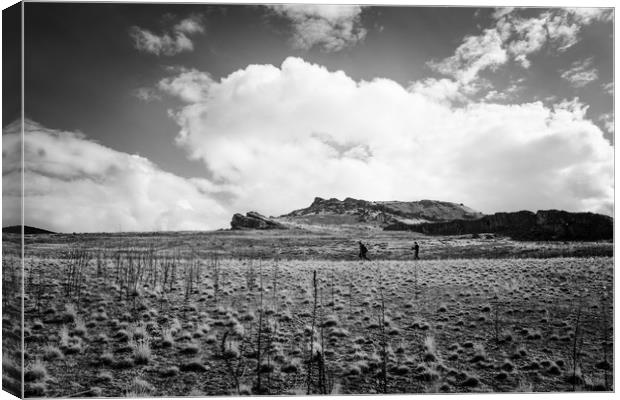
column 282, row 135
column 272, row 138
column 74, row 184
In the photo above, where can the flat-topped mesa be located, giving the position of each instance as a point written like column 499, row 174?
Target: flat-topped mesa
column 254, row 220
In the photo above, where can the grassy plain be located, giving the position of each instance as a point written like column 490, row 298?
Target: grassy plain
column 171, row 314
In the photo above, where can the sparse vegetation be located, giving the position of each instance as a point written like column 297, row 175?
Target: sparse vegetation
column 251, row 324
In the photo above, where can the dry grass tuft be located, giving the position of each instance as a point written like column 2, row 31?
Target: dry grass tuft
column 141, row 350
column 36, row 371
column 139, row 388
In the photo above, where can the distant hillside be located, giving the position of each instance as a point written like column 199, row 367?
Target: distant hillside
column 524, row 225
column 354, row 214
column 28, row 230
column 432, row 217
column 377, row 213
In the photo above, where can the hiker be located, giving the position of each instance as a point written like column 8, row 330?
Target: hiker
column 416, row 250
column 363, row 251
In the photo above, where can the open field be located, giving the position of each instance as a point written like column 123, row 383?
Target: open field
column 307, row 245
column 11, row 321
column 207, row 314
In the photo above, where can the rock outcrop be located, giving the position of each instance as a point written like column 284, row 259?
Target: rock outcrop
column 379, row 213
column 254, row 220
column 524, row 225
column 433, row 217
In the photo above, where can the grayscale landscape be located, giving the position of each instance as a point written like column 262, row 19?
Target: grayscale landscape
column 297, row 199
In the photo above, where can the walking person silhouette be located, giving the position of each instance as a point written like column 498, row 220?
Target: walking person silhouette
column 363, row 251
column 416, row 250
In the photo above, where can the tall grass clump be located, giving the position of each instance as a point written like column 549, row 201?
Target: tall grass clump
column 141, row 349
column 139, row 388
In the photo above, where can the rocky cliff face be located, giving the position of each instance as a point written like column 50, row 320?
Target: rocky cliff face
column 381, row 213
column 526, row 225
column 254, row 220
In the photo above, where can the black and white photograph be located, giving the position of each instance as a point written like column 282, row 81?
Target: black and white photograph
column 210, row 199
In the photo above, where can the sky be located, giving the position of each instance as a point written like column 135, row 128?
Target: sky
column 148, row 117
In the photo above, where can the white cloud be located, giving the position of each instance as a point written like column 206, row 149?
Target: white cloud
column 475, row 54
column 330, row 27
column 559, row 27
column 580, row 73
column 74, row 184
column 190, row 25
column 586, row 15
column 11, row 175
column 530, row 36
column 608, row 122
column 189, row 85
column 494, row 96
column 574, row 107
column 509, row 93
column 562, row 32
column 146, row 94
column 515, row 37
column 500, row 12
column 608, row 88
column 441, row 90
column 281, row 136
column 168, row 43
column 145, row 40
